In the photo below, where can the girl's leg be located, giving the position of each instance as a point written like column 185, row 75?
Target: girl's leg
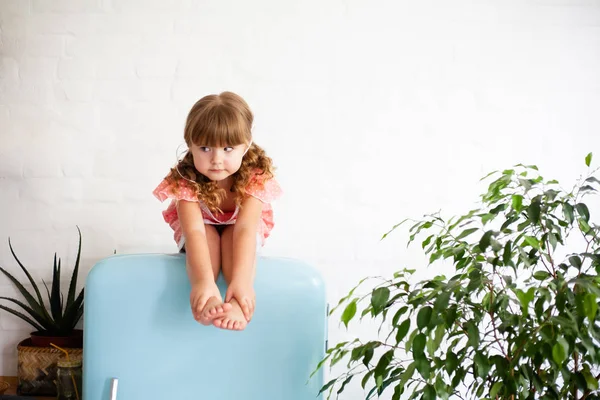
column 214, row 248
column 233, row 319
column 227, row 254
column 214, row 306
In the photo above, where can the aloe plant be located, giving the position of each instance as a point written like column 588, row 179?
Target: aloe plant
column 61, row 317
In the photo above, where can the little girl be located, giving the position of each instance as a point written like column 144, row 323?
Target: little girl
column 220, row 210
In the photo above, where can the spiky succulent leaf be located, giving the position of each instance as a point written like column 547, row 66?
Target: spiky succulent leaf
column 73, row 284
column 35, row 287
column 39, row 310
column 71, row 315
column 29, row 310
column 55, row 306
column 23, row 317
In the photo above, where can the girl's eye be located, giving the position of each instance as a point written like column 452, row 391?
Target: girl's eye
column 204, row 149
column 228, row 149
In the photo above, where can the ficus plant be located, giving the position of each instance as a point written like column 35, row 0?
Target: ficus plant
column 515, row 314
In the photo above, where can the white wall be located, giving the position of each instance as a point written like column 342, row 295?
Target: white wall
column 372, row 110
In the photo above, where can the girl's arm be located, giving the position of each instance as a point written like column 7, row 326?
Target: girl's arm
column 198, row 263
column 244, row 239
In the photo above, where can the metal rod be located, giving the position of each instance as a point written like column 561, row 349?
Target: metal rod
column 113, row 388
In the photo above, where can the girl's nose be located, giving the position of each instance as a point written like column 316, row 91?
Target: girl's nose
column 217, row 156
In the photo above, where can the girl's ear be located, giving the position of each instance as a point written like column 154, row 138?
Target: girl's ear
column 248, row 148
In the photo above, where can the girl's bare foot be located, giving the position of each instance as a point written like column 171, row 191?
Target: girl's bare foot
column 214, row 308
column 233, row 318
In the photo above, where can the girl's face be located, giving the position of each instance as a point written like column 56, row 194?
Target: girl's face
column 218, row 163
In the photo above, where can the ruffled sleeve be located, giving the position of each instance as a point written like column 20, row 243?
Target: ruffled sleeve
column 168, row 190
column 266, row 191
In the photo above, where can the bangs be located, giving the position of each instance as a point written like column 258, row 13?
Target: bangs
column 220, row 126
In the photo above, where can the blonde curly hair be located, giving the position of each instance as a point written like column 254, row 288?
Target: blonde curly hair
column 221, row 120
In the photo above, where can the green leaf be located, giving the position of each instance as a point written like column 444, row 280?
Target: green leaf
column 450, row 316
column 441, row 388
column 439, row 336
column 559, row 351
column 423, row 317
column 466, row 233
column 525, row 298
column 368, row 355
column 365, row 378
column 533, row 211
column 379, row 299
column 423, row 366
column 507, row 253
column 590, row 306
column 593, row 179
column 441, row 303
column 584, row 226
column 451, row 362
column 485, row 218
column 429, row 392
column 399, row 314
column 473, row 334
column 587, row 188
column 553, row 240
column 575, row 261
column 346, row 381
column 568, row 212
column 484, row 242
column 495, row 390
column 407, row 374
column 517, row 202
column 592, row 383
column 418, row 345
column 384, row 361
column 426, row 241
column 483, row 365
column 402, row 330
column 588, row 159
column 327, row 386
column 583, row 211
column 349, row 312
column 532, row 241
column 526, row 183
column 541, row 275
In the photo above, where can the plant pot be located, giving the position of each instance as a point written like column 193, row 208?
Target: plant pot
column 74, row 340
column 37, row 367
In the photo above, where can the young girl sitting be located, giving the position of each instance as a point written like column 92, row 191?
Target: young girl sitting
column 220, row 210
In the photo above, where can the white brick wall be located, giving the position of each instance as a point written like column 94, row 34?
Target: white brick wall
column 372, row 110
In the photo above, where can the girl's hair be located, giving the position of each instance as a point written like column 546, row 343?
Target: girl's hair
column 215, row 121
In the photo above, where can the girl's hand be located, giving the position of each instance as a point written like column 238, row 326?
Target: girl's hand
column 243, row 292
column 201, row 292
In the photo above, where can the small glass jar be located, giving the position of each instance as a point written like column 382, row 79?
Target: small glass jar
column 68, row 380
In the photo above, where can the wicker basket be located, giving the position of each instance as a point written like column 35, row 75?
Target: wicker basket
column 37, row 368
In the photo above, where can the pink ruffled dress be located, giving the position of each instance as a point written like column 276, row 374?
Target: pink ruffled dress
column 266, row 192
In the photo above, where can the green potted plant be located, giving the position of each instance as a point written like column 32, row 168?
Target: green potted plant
column 515, row 314
column 53, row 322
